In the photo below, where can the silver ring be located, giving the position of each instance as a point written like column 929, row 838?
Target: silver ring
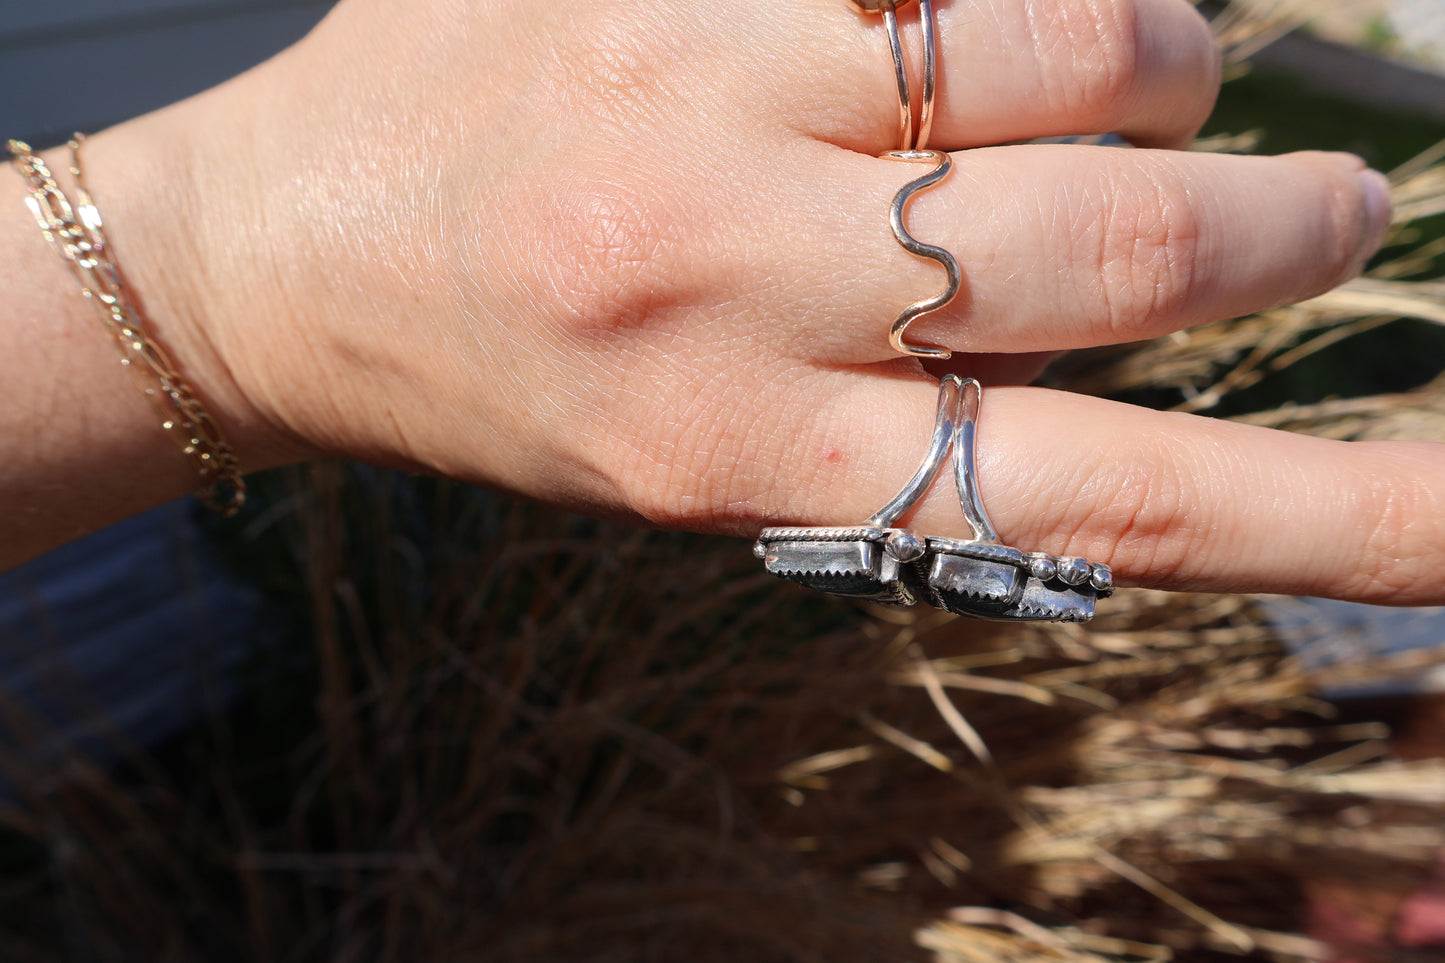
column 867, row 561
column 977, row 577
column 945, row 429
column 965, row 469
column 982, row 578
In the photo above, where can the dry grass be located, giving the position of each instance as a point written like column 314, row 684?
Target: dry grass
column 593, row 744
column 1207, row 364
column 522, row 736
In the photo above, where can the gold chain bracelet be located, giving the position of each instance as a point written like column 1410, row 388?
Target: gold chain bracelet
column 77, row 234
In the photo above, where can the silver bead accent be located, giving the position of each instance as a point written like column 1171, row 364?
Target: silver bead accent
column 1043, row 567
column 1074, row 570
column 905, row 546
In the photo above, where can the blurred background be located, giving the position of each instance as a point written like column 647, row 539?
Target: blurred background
column 386, row 718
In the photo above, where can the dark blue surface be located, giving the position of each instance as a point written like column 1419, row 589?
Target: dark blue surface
column 122, row 639
column 1325, row 632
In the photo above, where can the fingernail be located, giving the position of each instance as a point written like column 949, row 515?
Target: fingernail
column 1378, row 208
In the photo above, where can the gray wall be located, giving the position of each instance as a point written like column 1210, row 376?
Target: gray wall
column 70, row 65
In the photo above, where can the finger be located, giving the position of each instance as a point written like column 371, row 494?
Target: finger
column 1147, row 69
column 1168, row 500
column 1066, row 247
column 1180, row 501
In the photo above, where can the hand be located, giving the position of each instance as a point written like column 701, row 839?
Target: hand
column 634, row 260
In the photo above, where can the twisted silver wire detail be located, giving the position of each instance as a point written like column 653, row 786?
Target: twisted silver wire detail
column 943, row 166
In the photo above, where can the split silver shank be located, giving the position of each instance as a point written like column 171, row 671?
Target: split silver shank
column 977, row 577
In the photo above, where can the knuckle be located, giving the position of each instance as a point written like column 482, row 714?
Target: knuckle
column 672, row 488
column 1140, row 520
column 1096, row 43
column 1402, row 531
column 1143, row 248
column 609, row 254
column 645, row 464
column 688, row 468
column 702, row 453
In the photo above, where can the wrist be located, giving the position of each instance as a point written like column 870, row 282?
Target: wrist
column 148, row 182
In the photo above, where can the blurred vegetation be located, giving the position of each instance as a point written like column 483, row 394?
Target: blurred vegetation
column 1288, row 115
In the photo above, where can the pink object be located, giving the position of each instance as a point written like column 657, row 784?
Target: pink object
column 1421, row 920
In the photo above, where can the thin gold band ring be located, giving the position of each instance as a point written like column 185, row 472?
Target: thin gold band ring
column 907, row 138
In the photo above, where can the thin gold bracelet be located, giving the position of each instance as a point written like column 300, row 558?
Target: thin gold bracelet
column 77, row 234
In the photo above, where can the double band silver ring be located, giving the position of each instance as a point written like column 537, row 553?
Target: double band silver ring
column 977, row 576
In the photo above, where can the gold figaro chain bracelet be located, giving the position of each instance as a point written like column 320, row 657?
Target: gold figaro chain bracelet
column 77, row 234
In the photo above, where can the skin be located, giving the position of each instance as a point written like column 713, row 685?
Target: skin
column 635, row 261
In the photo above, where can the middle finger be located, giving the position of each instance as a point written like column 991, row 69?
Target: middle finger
column 1067, row 247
